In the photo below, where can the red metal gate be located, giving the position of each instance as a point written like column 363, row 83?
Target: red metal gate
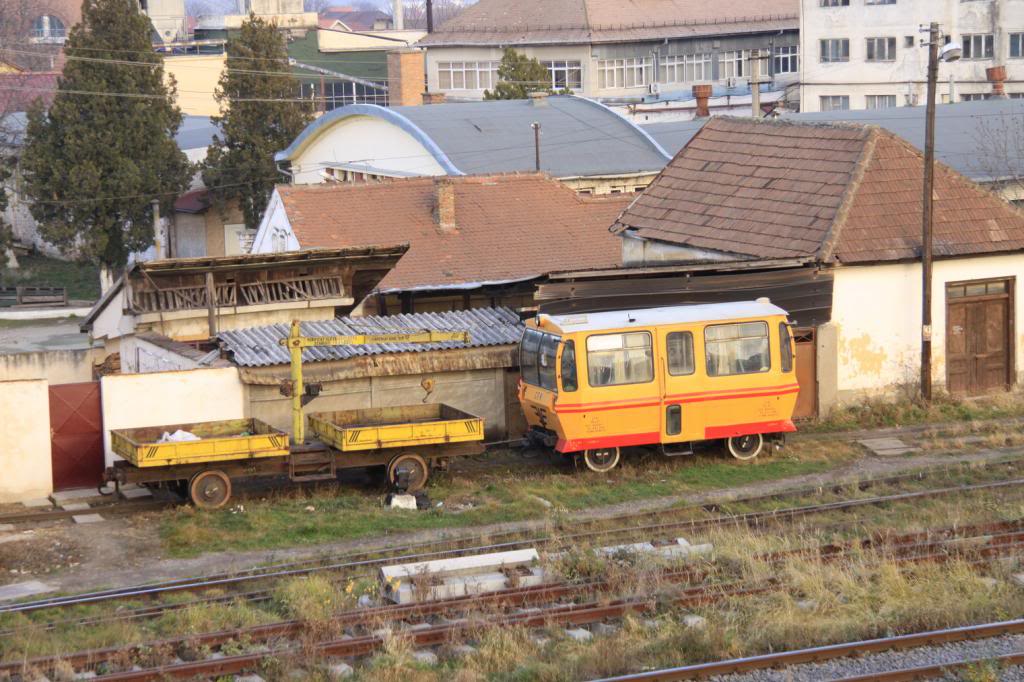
column 76, row 434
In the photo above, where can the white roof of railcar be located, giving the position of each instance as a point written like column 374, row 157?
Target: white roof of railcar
column 677, row 314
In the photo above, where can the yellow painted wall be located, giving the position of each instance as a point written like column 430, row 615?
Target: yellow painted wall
column 25, row 456
column 159, row 398
column 56, row 366
column 8, row 68
column 878, row 344
column 197, row 77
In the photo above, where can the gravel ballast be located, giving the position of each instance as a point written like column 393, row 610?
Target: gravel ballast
column 892, row 660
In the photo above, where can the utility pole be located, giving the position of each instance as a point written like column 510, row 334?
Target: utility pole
column 536, row 144
column 926, row 214
column 158, row 241
column 755, row 83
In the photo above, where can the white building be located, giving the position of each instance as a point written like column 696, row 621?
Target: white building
column 615, row 50
column 867, row 54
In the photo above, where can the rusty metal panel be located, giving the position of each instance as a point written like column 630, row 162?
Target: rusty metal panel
column 76, row 430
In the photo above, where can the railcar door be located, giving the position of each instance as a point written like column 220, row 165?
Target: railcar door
column 682, row 417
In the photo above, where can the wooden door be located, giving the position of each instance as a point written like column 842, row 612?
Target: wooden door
column 806, row 374
column 978, row 337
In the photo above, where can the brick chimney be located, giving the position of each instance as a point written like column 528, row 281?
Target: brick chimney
column 703, row 94
column 996, row 75
column 406, row 69
column 444, row 205
column 433, row 98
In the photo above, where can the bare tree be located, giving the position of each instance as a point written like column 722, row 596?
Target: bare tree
column 18, row 45
column 416, row 14
column 998, row 157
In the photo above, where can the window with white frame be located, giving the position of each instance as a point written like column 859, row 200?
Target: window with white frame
column 1016, row 45
column 973, row 96
column 978, row 45
column 786, row 59
column 879, row 2
column 835, row 102
column 732, row 64
column 835, row 50
column 565, row 74
column 467, row 75
column 624, row 73
column 684, row 68
column 880, row 101
column 881, row 49
column 833, row 3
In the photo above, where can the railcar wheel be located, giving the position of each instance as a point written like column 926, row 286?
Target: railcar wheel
column 745, row 447
column 408, row 472
column 601, row 460
column 210, row 489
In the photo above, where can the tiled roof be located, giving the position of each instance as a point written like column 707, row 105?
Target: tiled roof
column 958, row 129
column 508, row 227
column 355, row 19
column 524, row 22
column 762, row 189
column 261, row 347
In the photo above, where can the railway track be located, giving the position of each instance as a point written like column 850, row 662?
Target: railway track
column 789, row 659
column 113, row 508
column 998, row 539
column 370, row 560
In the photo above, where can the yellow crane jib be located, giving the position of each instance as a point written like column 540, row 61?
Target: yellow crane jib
column 295, row 342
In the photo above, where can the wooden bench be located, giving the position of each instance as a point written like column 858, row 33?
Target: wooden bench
column 33, row 296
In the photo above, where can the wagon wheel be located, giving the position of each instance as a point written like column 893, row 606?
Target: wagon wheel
column 210, row 489
column 408, row 472
column 601, row 460
column 745, row 447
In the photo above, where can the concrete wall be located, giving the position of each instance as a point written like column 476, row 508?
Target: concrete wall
column 876, row 312
column 139, row 356
column 135, row 400
column 56, row 366
column 905, row 76
column 480, row 392
column 25, row 457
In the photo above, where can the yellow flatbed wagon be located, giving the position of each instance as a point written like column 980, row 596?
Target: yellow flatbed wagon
column 205, row 442
column 404, row 426
column 407, row 440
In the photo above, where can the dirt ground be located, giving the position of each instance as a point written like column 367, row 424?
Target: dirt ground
column 126, row 550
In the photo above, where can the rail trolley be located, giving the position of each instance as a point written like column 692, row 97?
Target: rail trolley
column 594, row 383
column 201, row 459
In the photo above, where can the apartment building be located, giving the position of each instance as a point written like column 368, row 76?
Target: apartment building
column 613, row 50
column 867, row 54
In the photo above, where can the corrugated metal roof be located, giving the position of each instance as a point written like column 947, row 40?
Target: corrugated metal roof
column 261, row 347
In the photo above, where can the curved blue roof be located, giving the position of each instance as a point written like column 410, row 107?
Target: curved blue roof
column 579, row 137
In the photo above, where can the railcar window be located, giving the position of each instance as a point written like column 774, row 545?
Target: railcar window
column 569, row 381
column 785, row 347
column 680, row 353
column 740, row 348
column 528, row 356
column 546, row 361
column 616, row 359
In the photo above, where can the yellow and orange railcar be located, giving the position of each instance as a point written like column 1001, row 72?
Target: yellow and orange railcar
column 594, row 383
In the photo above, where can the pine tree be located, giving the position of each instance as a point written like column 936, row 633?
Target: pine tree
column 260, row 115
column 518, row 76
column 94, row 163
